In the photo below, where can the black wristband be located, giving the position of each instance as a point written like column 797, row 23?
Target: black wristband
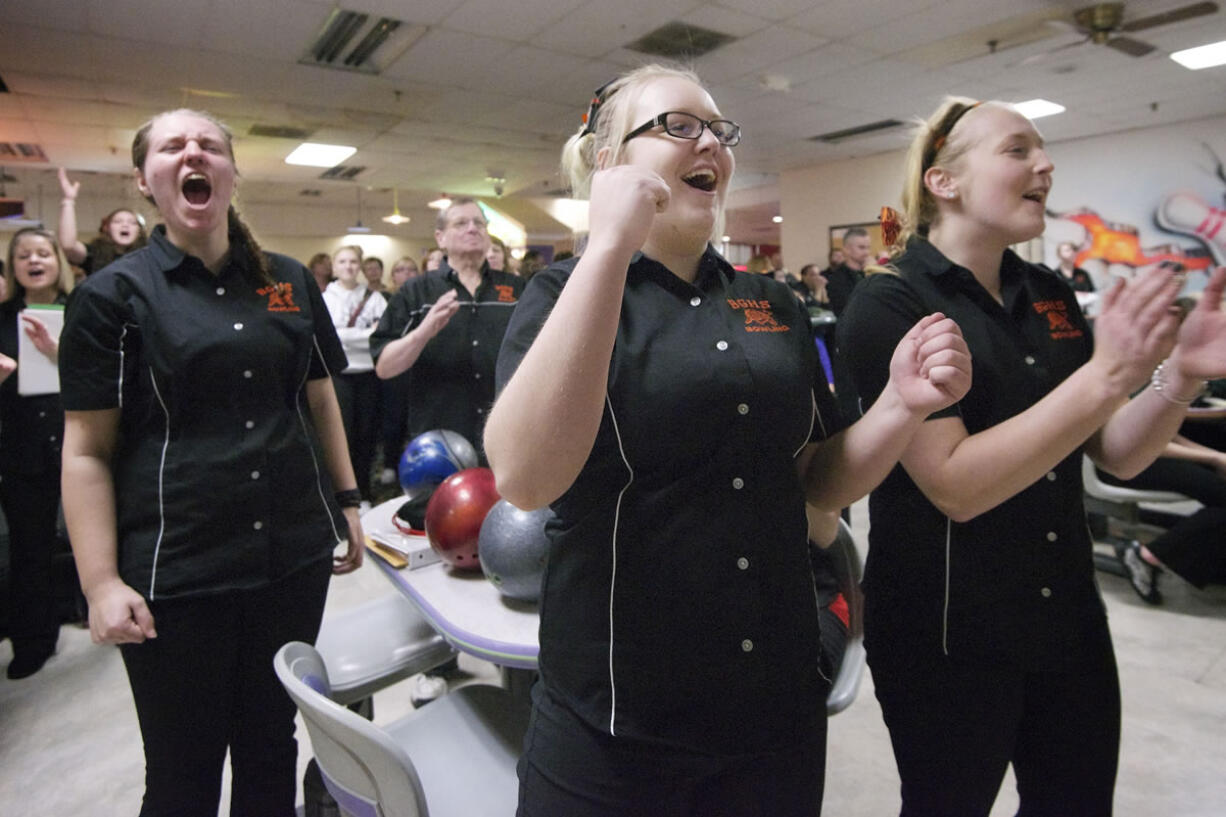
column 349, row 499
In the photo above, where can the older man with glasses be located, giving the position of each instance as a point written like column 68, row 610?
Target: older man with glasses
column 445, row 329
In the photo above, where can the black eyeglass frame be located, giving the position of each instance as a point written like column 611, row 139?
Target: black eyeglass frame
column 662, row 121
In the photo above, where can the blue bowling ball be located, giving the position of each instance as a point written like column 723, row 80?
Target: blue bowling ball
column 514, row 549
column 430, row 458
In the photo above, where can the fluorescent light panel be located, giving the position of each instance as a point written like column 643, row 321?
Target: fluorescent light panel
column 1204, row 56
column 315, row 154
column 1038, row 108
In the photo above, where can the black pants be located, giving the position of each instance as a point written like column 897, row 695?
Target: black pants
column 206, row 684
column 956, row 725
column 1194, row 547
column 395, row 418
column 31, row 504
column 358, row 395
column 569, row 768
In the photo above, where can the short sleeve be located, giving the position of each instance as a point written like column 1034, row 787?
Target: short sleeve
column 395, row 319
column 92, row 347
column 329, row 357
column 883, row 310
column 529, row 316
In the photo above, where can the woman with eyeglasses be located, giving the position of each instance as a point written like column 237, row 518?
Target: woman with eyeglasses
column 985, row 631
column 673, row 413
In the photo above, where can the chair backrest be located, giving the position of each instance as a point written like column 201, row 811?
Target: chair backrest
column 368, row 773
column 1097, row 489
column 848, row 564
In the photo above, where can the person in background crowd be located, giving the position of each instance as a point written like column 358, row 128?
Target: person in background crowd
column 355, row 309
column 433, row 260
column 196, row 388
column 985, row 630
column 1077, row 278
column 31, row 426
column 404, row 269
column 372, row 268
column 121, row 231
column 496, row 257
column 321, row 269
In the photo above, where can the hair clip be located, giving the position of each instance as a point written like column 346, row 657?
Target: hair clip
column 593, row 108
column 891, row 225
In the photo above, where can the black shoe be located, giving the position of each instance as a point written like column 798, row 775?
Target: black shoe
column 1141, row 574
column 27, row 662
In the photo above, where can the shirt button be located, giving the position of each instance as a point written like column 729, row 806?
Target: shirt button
column 1051, row 536
column 42, row 414
column 250, row 424
column 255, row 474
column 52, row 438
column 695, row 301
column 258, row 525
column 476, row 375
column 746, row 645
column 1029, row 360
column 742, row 563
column 738, row 483
column 722, row 345
column 1051, row 476
column 476, row 343
column 743, row 408
column 481, row 411
column 1045, row 592
column 247, row 373
column 221, row 290
column 238, row 327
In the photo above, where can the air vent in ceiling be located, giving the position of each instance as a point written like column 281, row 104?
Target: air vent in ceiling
column 342, row 172
column 21, row 152
column 679, row 41
column 355, row 41
column 311, row 192
column 871, row 129
column 280, row 131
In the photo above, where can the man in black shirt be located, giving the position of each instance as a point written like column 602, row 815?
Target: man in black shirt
column 446, row 327
column 842, row 279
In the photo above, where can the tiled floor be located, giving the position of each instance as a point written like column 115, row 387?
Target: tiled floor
column 69, row 743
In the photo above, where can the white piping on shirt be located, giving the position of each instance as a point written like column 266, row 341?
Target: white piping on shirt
column 157, row 547
column 613, row 576
column 319, row 484
column 426, row 308
column 123, row 334
column 815, row 417
column 945, row 610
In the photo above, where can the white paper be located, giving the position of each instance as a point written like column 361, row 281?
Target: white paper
column 37, row 373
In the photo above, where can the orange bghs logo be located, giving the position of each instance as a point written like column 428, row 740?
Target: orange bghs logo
column 280, row 297
column 506, row 294
column 759, row 315
column 1058, row 323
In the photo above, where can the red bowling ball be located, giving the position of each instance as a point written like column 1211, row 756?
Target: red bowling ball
column 455, row 513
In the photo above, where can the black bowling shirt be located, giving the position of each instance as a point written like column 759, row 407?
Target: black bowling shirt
column 840, row 283
column 31, row 426
column 452, row 383
column 678, row 604
column 1016, row 584
column 218, row 484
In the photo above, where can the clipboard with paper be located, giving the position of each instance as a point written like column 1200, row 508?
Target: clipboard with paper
column 37, row 373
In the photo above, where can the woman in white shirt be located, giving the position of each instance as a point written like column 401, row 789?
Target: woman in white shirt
column 355, row 310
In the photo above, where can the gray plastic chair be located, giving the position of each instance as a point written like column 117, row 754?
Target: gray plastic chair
column 376, row 644
column 1121, row 504
column 849, row 568
column 453, row 758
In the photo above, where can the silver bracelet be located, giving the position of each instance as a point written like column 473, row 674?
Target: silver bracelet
column 1157, row 382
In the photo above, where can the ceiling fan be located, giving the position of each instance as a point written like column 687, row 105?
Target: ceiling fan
column 1105, row 24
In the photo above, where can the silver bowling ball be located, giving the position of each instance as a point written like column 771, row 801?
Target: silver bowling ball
column 513, row 549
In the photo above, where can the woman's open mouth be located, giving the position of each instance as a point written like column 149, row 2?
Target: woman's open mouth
column 704, row 180
column 196, row 189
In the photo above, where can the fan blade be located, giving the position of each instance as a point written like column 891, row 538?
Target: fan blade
column 1172, row 16
column 1042, row 55
column 1129, row 46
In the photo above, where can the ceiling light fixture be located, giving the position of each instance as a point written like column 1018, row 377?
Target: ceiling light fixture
column 1204, row 56
column 315, row 154
column 777, row 219
column 441, row 203
column 1038, row 108
column 359, row 227
column 395, row 217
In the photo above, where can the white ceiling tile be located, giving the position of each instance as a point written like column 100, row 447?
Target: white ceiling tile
column 450, row 58
column 770, row 9
column 598, row 27
column 151, row 21
column 417, row 11
column 64, row 15
column 725, row 21
column 521, row 20
column 241, row 27
column 758, row 50
column 29, row 49
column 839, row 19
column 51, row 86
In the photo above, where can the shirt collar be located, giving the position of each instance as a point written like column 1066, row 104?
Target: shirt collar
column 169, row 257
column 932, row 262
column 713, row 270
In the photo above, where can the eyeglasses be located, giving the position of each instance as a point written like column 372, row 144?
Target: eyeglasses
column 687, row 126
column 465, row 223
